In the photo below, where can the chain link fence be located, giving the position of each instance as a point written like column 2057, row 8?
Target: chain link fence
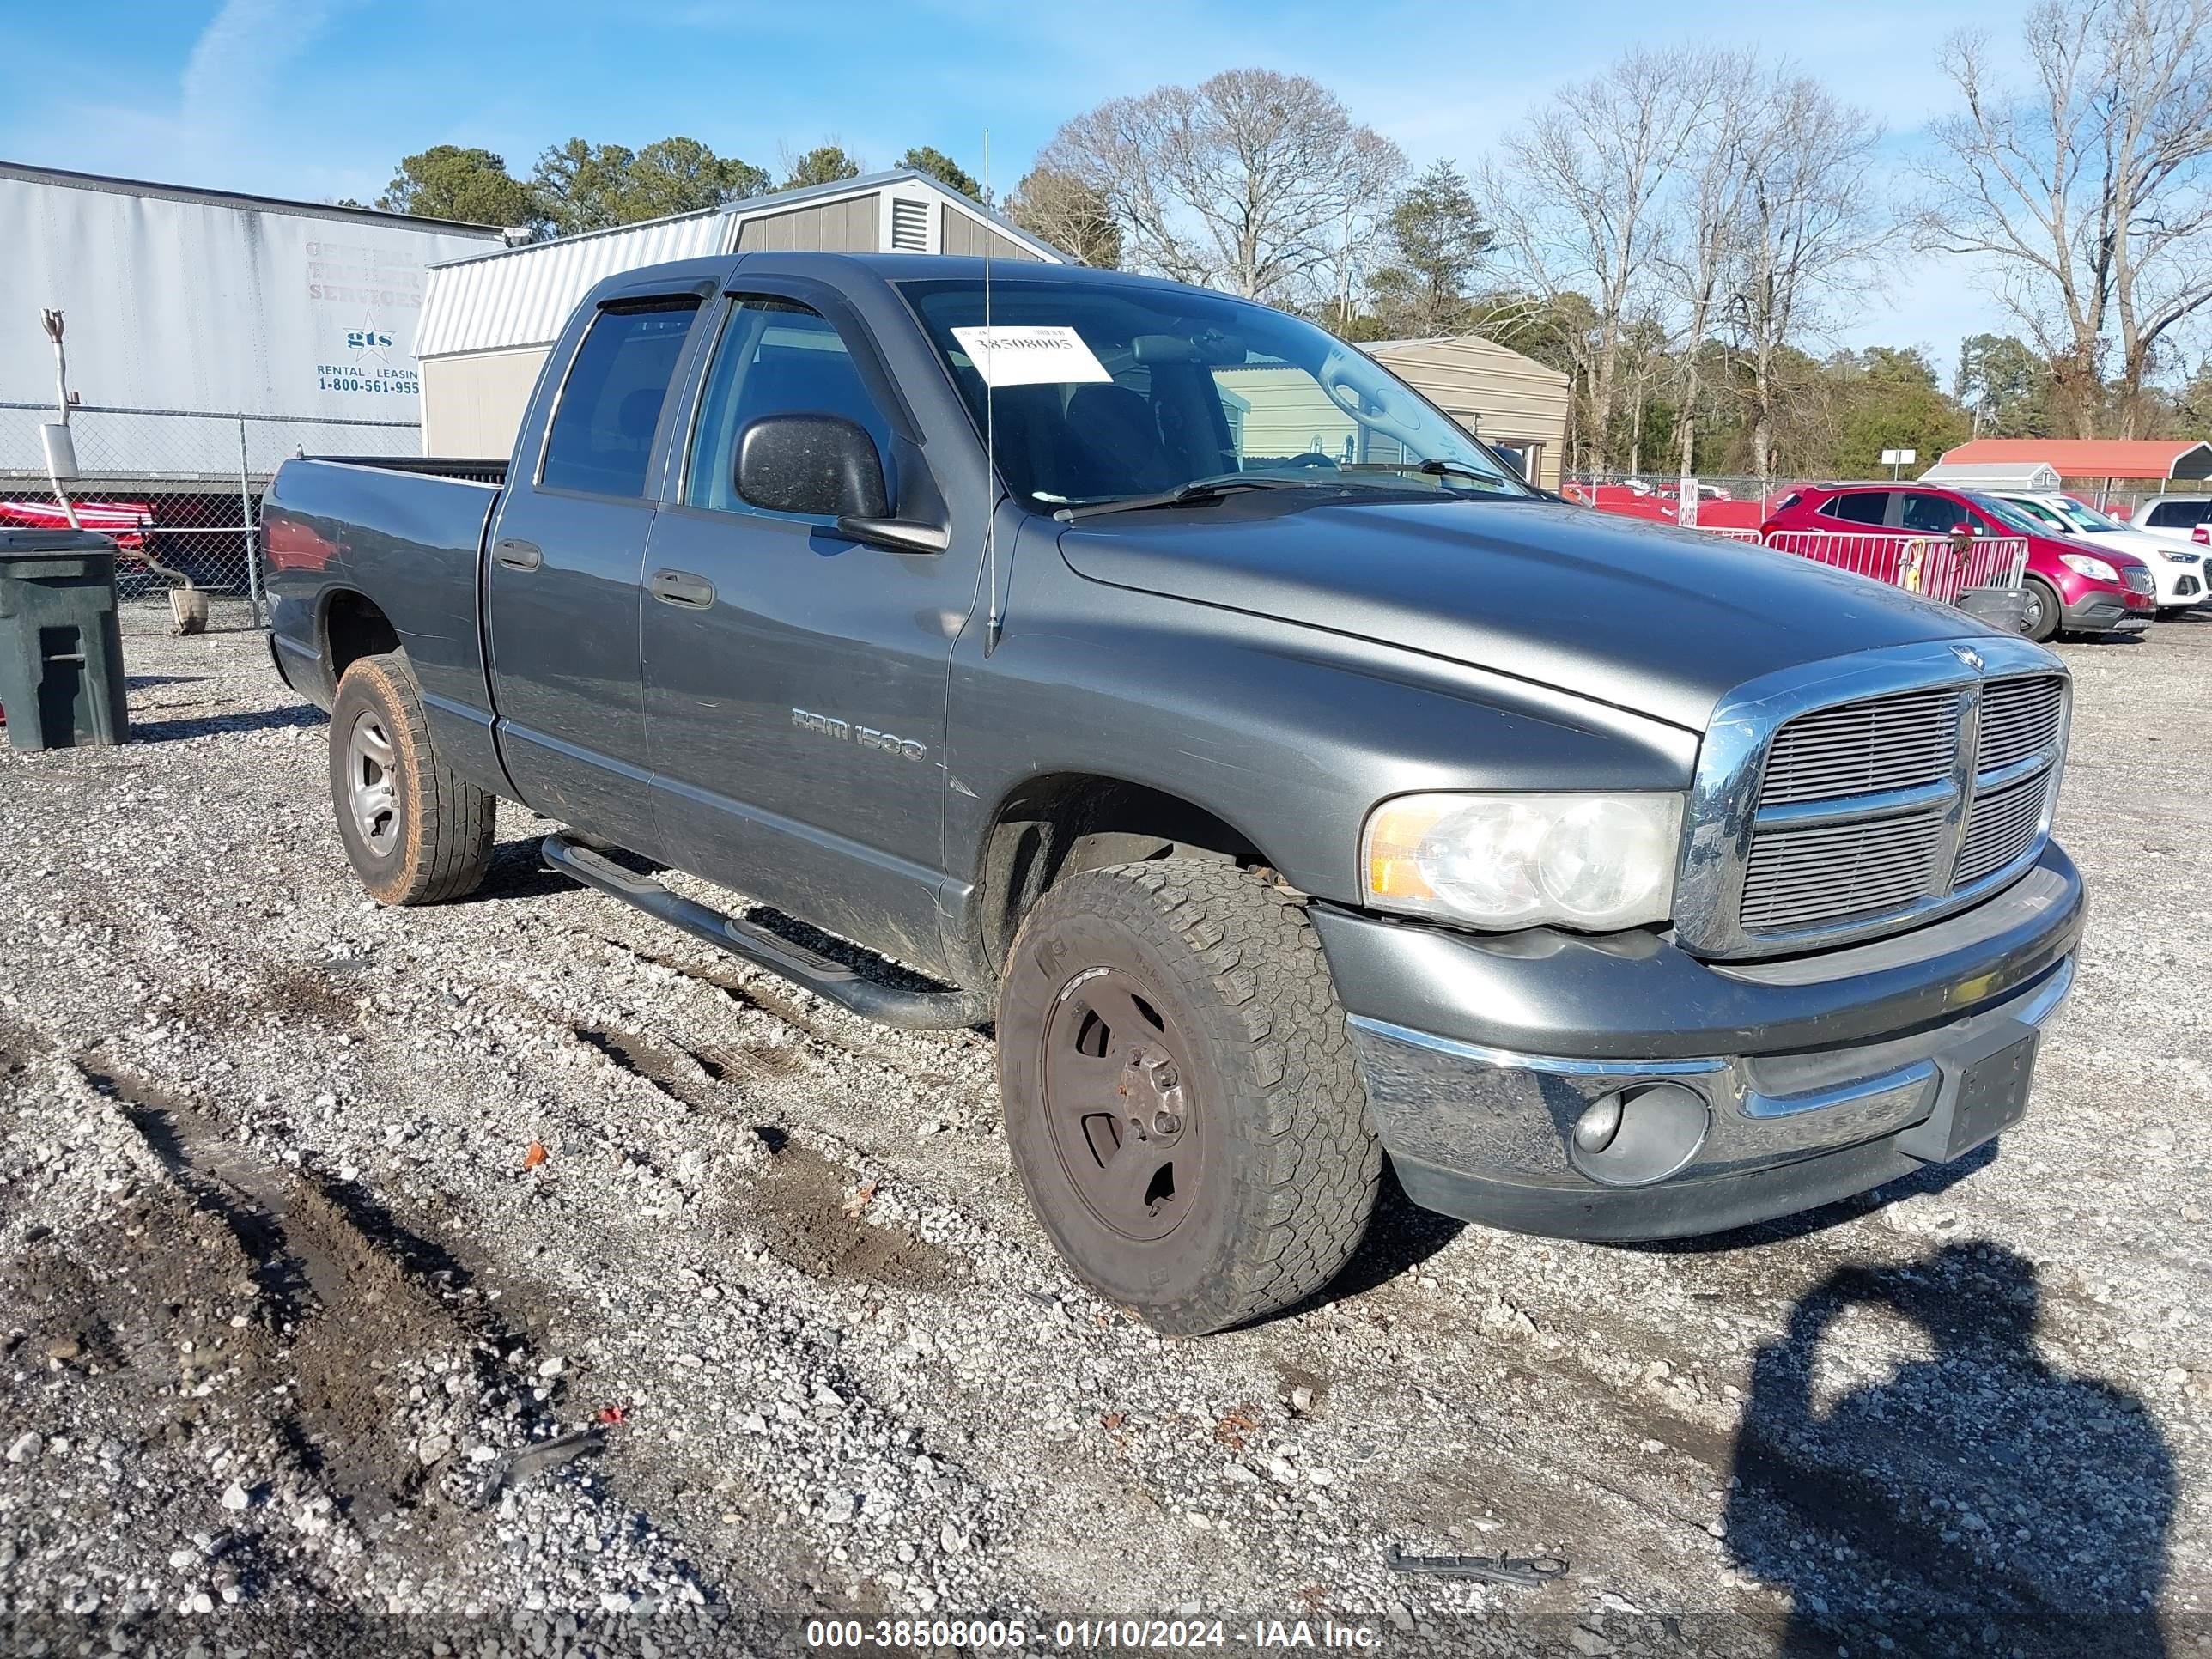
column 179, row 489
column 1730, row 501
column 1717, row 502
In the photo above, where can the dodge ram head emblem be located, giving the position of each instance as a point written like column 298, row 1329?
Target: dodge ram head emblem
column 1968, row 655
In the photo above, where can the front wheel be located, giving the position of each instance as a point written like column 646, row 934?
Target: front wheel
column 2044, row 611
column 1179, row 1092
column 415, row 830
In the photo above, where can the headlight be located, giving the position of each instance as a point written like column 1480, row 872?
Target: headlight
column 2082, row 565
column 1591, row 861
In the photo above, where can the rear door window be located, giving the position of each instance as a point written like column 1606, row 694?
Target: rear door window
column 601, row 437
column 1930, row 514
column 2180, row 515
column 1859, row 507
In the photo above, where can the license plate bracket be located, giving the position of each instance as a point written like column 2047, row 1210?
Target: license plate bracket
column 1984, row 1092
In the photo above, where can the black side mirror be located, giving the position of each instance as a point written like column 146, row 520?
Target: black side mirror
column 822, row 465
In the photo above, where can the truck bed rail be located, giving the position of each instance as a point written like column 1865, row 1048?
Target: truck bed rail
column 469, row 470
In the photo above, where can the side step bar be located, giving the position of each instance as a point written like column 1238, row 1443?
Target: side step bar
column 915, row 1011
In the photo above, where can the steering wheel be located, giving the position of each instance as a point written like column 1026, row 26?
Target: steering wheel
column 1313, row 461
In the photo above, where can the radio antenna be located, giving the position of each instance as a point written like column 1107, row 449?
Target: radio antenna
column 994, row 618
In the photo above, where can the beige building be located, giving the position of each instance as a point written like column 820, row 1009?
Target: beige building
column 1510, row 402
column 488, row 322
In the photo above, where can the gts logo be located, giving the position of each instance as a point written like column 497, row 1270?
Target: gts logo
column 828, row 726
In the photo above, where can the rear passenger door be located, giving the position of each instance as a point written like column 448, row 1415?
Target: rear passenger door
column 794, row 679
column 1858, row 509
column 563, row 577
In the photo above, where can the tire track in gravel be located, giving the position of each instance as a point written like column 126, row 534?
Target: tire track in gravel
column 750, row 996
column 346, row 1283
column 19, row 1045
column 810, row 1204
column 674, row 1071
column 314, row 1250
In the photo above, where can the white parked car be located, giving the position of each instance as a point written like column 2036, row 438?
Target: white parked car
column 2178, row 566
column 2185, row 519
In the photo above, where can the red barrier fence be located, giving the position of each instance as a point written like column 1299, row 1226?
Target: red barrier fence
column 1934, row 566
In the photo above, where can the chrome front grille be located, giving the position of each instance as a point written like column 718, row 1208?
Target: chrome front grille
column 2002, row 824
column 1862, row 748
column 1823, row 872
column 2019, row 718
column 1858, row 797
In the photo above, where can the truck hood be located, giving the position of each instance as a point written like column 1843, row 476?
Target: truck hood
column 1645, row 617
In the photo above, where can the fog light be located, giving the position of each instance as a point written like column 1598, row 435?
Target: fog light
column 1633, row 1137
column 1596, row 1128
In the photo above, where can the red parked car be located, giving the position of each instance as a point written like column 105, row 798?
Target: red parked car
column 2072, row 584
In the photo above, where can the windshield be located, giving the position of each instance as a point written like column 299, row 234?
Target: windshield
column 2083, row 518
column 1107, row 392
column 2011, row 515
column 2042, row 512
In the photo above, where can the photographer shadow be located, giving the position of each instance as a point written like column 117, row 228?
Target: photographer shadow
column 1974, row 1501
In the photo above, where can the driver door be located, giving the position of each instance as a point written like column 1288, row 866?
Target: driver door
column 794, row 679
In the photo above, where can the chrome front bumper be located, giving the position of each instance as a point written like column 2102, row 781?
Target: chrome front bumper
column 1485, row 1133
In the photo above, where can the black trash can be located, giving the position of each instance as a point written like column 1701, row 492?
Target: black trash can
column 61, row 648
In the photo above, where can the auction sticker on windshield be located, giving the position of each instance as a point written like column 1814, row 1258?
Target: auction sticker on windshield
column 1049, row 355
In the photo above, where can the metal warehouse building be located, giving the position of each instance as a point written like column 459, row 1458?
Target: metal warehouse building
column 489, row 320
column 211, row 335
column 207, row 301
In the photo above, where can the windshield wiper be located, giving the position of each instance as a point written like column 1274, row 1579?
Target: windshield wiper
column 1437, row 469
column 1202, row 489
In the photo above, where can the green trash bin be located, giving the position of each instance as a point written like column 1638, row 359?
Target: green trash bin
column 61, row 649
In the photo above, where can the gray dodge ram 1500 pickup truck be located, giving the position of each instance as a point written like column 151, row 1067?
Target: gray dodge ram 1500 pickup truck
column 1289, row 782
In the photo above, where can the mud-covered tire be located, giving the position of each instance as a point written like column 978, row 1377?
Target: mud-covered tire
column 434, row 842
column 1274, row 1161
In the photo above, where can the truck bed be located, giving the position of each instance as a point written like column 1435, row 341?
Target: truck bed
column 409, row 532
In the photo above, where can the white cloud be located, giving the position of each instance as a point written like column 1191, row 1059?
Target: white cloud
column 233, row 67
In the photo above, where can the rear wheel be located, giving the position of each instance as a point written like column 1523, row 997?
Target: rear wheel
column 416, row 832
column 1180, row 1093
column 2044, row 611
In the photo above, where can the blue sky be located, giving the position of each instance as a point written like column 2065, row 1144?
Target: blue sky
column 318, row 98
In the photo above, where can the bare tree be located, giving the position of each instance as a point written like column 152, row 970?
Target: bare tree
column 1699, row 253
column 1068, row 214
column 1808, row 232
column 2090, row 191
column 1576, row 196
column 1254, row 181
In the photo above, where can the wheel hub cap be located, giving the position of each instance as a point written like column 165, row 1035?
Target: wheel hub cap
column 372, row 793
column 1116, row 1106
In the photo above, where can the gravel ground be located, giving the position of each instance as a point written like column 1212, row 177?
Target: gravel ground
column 314, row 1217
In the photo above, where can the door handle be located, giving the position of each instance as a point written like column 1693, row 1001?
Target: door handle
column 682, row 587
column 518, row 555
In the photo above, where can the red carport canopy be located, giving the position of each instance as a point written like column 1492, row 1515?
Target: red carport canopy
column 2160, row 459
